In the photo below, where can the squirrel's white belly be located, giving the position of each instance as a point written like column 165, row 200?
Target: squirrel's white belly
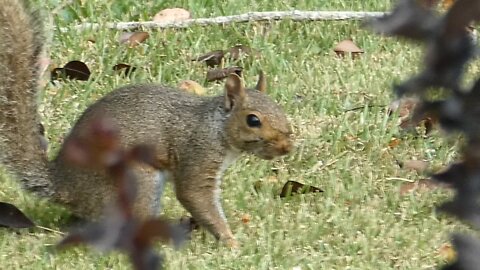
column 159, row 185
column 229, row 159
column 163, row 176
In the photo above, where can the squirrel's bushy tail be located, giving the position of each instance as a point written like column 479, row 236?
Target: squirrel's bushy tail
column 21, row 43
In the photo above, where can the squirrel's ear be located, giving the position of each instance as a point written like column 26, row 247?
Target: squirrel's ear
column 234, row 91
column 262, row 82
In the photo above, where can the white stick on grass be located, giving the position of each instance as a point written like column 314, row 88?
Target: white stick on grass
column 294, row 15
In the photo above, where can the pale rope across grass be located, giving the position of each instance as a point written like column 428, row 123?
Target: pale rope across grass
column 294, row 15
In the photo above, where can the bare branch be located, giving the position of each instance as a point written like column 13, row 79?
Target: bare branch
column 294, row 15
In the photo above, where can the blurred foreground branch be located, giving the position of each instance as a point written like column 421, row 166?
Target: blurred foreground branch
column 449, row 47
column 120, row 229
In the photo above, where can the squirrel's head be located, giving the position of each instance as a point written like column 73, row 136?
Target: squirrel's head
column 256, row 124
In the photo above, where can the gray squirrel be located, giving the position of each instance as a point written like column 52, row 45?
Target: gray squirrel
column 195, row 138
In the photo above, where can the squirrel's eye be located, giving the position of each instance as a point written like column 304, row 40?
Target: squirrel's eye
column 253, row 121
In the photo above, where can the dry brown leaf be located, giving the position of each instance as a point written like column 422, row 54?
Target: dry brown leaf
column 220, row 74
column 172, row 15
column 447, row 252
column 235, row 53
column 73, row 70
column 347, row 47
column 133, row 39
column 294, row 187
column 246, row 218
column 394, row 142
column 12, row 217
column 192, row 87
column 417, row 165
column 124, row 36
column 124, row 69
column 212, row 59
column 137, row 38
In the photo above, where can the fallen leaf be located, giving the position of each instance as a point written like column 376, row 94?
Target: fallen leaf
column 220, row 74
column 447, row 252
column 394, row 142
column 12, row 217
column 246, row 218
column 292, row 187
column 73, row 70
column 192, row 87
column 133, row 39
column 346, row 47
column 127, row 69
column 420, row 185
column 124, row 36
column 416, row 165
column 172, row 15
column 235, row 53
column 211, row 59
column 77, row 70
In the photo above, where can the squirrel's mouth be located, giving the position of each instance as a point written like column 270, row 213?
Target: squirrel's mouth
column 268, row 150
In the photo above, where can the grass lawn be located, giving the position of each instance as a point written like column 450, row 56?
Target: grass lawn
column 361, row 221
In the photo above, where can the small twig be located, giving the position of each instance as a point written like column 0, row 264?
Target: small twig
column 361, row 107
column 49, row 230
column 294, row 15
column 400, row 179
column 319, row 167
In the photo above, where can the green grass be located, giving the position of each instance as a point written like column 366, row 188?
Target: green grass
column 359, row 222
